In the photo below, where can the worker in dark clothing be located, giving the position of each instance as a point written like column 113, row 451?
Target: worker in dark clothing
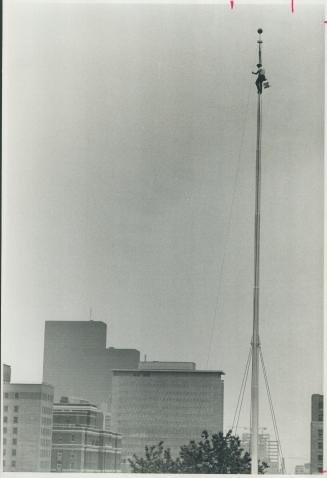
column 261, row 77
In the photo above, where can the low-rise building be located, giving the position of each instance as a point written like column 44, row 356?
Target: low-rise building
column 303, row 469
column 27, row 426
column 268, row 451
column 79, row 441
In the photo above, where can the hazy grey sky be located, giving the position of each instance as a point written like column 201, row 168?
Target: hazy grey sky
column 128, row 187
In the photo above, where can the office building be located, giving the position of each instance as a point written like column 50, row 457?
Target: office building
column 6, row 373
column 77, row 362
column 79, row 441
column 317, row 424
column 173, row 403
column 268, row 451
column 303, row 469
column 27, row 427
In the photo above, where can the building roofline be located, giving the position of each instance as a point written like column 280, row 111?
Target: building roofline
column 151, row 370
column 74, row 322
column 30, row 383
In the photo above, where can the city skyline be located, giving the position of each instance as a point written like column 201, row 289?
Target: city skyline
column 129, row 188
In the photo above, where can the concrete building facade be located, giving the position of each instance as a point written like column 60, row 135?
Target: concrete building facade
column 268, row 451
column 79, row 441
column 173, row 405
column 77, row 362
column 317, row 426
column 27, row 427
column 303, row 469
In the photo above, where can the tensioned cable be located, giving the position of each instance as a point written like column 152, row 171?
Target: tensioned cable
column 237, row 413
column 228, row 226
column 247, row 372
column 272, row 409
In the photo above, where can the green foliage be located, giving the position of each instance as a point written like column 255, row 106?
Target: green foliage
column 218, row 454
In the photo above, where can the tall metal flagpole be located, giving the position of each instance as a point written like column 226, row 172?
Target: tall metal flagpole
column 255, row 343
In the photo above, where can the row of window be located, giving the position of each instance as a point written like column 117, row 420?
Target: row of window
column 5, row 419
column 13, row 452
column 14, row 441
column 6, row 408
column 14, row 430
column 29, row 395
column 13, row 463
column 47, row 410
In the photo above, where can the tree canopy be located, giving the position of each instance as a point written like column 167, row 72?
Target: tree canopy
column 216, row 454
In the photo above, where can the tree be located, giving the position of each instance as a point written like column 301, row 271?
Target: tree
column 218, row 454
column 156, row 460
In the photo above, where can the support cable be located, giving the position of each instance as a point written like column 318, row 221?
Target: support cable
column 241, row 394
column 247, row 373
column 272, row 410
column 222, row 267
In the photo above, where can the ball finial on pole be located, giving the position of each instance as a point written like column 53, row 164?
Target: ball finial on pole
column 260, row 31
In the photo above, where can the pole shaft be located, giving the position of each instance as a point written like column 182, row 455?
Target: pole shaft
column 255, row 335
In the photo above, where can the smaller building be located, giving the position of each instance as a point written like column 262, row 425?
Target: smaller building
column 317, row 426
column 27, row 426
column 79, row 441
column 303, row 469
column 6, row 373
column 268, row 451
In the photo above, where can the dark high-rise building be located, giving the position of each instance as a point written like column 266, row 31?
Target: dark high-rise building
column 79, row 441
column 170, row 402
column 27, row 426
column 317, row 424
column 77, row 362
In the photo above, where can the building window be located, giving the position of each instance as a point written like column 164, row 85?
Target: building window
column 15, row 430
column 13, row 452
column 13, row 463
column 5, row 408
column 5, row 441
column 16, row 395
column 16, row 408
column 73, row 437
column 4, row 429
column 4, row 452
column 319, row 457
column 15, row 419
column 5, row 419
column 14, row 441
column 6, row 395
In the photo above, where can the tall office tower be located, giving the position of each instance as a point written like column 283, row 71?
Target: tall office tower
column 77, row 362
column 173, row 403
column 268, row 451
column 27, row 426
column 317, row 425
column 79, row 441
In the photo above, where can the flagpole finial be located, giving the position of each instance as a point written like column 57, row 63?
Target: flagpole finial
column 260, row 31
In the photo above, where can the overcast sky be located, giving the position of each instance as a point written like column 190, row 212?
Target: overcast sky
column 128, row 187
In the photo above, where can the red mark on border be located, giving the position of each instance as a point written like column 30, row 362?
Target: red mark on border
column 324, row 471
column 292, row 6
column 232, row 4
